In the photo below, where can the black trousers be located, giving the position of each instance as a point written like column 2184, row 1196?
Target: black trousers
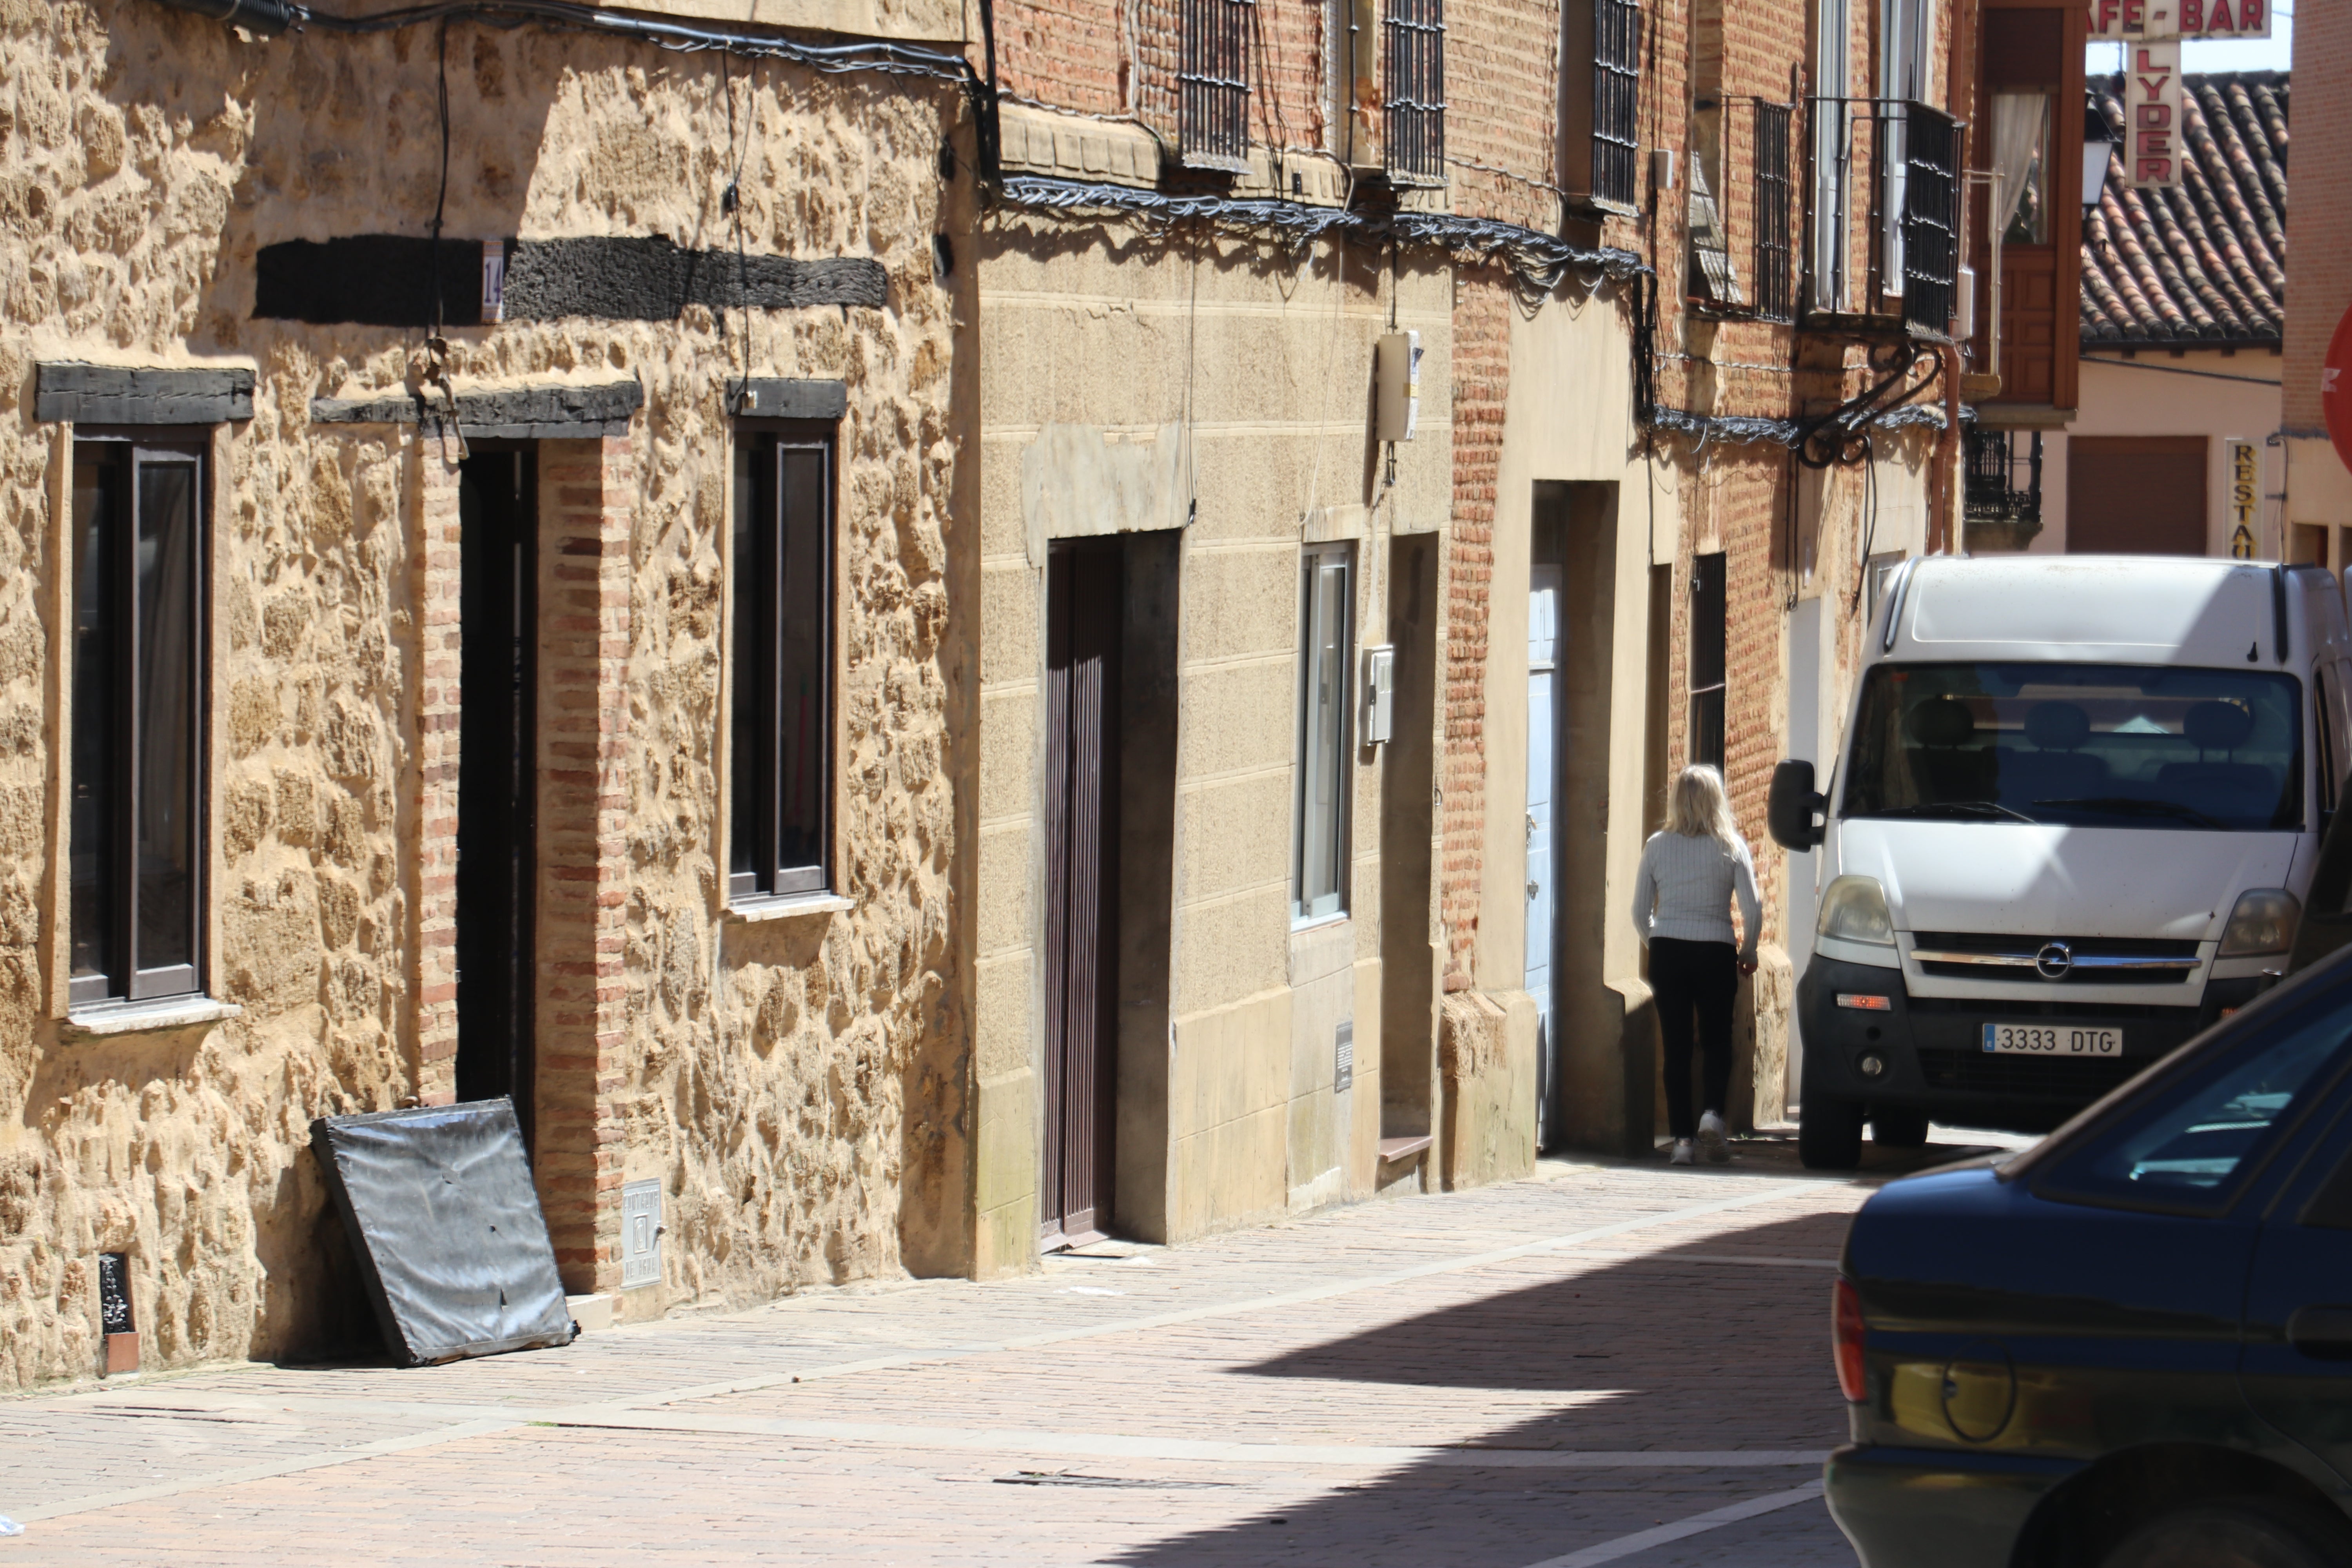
column 1694, row 982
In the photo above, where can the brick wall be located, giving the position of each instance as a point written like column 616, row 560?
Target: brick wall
column 588, row 491
column 440, row 660
column 2319, row 218
column 1482, row 371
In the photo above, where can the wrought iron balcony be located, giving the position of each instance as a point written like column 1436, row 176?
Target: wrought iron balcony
column 1883, row 214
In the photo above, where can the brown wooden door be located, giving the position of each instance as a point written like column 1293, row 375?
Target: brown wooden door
column 2135, row 495
column 1082, row 677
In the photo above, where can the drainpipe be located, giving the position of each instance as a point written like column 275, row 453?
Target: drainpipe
column 266, row 18
column 1940, row 542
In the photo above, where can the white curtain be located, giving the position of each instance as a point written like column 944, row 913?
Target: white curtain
column 2018, row 118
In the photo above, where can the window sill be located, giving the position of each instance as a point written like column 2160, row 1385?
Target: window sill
column 140, row 1017
column 750, row 911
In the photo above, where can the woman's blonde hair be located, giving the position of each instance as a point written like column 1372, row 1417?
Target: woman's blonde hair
column 1700, row 808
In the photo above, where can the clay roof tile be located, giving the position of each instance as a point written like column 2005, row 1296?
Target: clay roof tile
column 2206, row 262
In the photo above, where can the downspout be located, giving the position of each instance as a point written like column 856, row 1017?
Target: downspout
column 267, row 19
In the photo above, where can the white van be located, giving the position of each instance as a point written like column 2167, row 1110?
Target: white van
column 2079, row 804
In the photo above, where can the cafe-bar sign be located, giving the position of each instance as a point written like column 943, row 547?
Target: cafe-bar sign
column 2131, row 20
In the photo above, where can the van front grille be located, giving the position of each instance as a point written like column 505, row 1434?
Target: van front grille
column 2089, row 960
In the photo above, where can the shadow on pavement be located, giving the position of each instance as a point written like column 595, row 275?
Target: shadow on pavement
column 1719, row 1345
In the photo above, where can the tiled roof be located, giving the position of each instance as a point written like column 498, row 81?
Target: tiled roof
column 2206, row 263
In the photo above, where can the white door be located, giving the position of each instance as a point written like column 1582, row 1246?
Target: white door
column 1543, row 773
column 1804, row 745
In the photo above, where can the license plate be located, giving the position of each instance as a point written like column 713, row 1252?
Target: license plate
column 2043, row 1040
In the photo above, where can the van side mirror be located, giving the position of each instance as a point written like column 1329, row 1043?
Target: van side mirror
column 1790, row 810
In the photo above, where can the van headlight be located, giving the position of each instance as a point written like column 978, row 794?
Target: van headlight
column 2263, row 921
column 1854, row 909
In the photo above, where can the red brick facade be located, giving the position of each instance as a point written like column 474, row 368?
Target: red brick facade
column 589, row 491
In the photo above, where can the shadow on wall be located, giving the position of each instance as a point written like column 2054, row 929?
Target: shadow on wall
column 1642, row 1354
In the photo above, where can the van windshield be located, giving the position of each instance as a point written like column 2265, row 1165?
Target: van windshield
column 2104, row 745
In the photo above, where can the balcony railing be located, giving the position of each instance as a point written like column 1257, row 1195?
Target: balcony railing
column 2004, row 483
column 1883, row 222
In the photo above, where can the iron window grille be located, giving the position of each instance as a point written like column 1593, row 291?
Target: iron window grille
column 780, row 696
column 136, row 829
column 1775, row 283
column 1931, row 216
column 1414, row 143
column 1993, row 493
column 1915, row 257
column 1212, row 85
column 1617, row 101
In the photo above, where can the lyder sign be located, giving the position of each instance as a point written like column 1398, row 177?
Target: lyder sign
column 2136, row 19
column 2154, row 142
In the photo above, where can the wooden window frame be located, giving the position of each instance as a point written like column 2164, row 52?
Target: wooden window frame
column 1312, row 906
column 755, row 629
column 1704, row 629
column 124, row 981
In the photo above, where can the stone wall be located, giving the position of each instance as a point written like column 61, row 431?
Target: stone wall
column 792, row 1084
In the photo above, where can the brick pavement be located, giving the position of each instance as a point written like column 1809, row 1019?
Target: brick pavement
column 1532, row 1374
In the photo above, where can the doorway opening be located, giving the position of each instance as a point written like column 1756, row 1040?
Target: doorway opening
column 1084, row 601
column 498, row 608
column 1582, row 1090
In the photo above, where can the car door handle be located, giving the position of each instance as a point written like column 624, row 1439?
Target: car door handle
column 2323, row 1333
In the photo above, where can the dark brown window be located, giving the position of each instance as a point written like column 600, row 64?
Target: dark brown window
column 781, row 688
column 1775, row 287
column 1212, row 84
column 1707, row 660
column 138, row 718
column 1415, row 139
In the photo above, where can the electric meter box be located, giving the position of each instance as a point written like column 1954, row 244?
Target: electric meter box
column 1396, row 379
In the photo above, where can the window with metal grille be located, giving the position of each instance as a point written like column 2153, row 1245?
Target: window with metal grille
column 1775, row 291
column 1212, row 85
column 1931, row 211
column 1415, row 68
column 1617, row 101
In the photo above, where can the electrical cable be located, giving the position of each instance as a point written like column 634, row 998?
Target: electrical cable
column 864, row 55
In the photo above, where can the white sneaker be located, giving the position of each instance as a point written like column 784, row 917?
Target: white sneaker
column 1682, row 1154
column 1711, row 1135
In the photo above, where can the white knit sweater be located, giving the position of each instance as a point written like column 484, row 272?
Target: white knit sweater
column 1685, row 889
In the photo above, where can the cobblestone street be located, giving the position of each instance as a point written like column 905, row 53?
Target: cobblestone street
column 1598, row 1364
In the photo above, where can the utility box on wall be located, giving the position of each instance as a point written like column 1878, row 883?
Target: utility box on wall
column 1379, row 694
column 1396, row 378
column 641, row 1231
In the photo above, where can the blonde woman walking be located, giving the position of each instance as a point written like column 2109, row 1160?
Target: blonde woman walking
column 1682, row 906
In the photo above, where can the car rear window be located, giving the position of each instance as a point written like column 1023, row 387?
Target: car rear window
column 2199, row 1134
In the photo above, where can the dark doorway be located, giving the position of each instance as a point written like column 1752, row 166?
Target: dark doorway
column 2135, row 495
column 1083, row 617
column 497, row 507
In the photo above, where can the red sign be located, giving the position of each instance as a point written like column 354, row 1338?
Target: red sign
column 2134, row 20
column 2334, row 397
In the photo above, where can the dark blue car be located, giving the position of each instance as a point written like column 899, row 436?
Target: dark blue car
column 2131, row 1346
